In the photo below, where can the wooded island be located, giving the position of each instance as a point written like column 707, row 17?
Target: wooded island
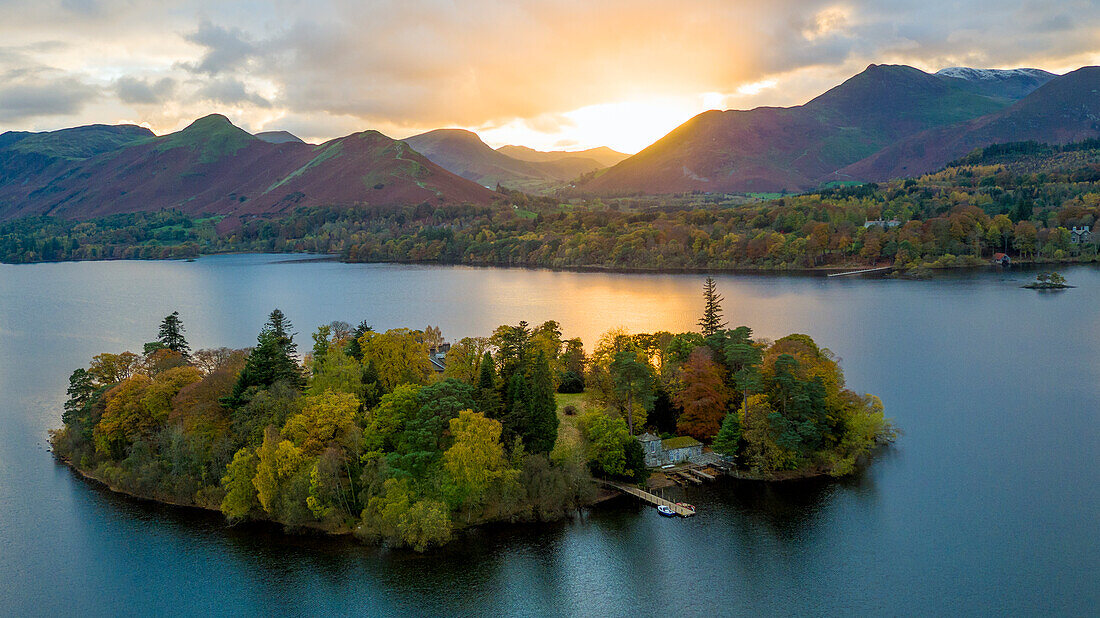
column 399, row 437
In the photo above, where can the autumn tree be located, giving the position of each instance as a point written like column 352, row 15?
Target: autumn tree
column 704, row 397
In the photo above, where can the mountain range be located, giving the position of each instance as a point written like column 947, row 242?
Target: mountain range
column 796, row 148
column 888, row 121
column 515, row 167
column 213, row 166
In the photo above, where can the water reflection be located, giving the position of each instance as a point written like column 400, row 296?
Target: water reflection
column 988, row 504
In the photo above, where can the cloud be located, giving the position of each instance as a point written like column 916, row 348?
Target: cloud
column 227, row 49
column 230, row 91
column 25, row 95
column 143, row 91
column 528, row 65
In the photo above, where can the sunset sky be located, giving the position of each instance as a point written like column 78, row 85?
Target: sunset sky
column 546, row 74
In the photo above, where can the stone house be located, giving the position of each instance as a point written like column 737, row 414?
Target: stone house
column 659, row 452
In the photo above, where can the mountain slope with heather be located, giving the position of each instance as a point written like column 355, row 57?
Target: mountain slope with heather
column 774, row 149
column 213, row 167
column 1065, row 109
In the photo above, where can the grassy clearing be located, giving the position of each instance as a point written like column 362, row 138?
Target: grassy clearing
column 569, row 435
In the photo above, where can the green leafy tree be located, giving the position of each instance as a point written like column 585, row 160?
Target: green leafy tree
column 240, row 500
column 540, row 429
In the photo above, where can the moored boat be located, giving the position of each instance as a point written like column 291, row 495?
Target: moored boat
column 666, row 511
column 685, row 505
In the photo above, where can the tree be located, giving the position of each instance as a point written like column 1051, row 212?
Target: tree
column 399, row 356
column 633, row 379
column 326, row 419
column 112, row 368
column 541, row 427
column 240, row 494
column 354, row 350
column 704, row 398
column 475, row 462
column 711, row 322
column 171, row 335
column 464, row 359
column 728, row 440
column 271, row 361
column 80, row 391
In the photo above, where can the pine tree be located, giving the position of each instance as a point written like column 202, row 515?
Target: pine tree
column 171, row 335
column 728, row 440
column 711, row 322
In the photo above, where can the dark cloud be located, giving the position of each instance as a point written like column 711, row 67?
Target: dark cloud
column 227, row 49
column 230, row 91
column 24, row 96
column 143, row 91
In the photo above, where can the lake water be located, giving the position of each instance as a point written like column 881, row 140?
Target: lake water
column 989, row 504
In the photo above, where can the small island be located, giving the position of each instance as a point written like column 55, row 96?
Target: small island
column 1048, row 281
column 399, row 437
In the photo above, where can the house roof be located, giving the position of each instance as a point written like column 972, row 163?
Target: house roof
column 680, row 442
column 647, row 437
column 998, row 256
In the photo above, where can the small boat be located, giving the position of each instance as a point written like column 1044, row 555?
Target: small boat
column 666, row 511
column 685, row 505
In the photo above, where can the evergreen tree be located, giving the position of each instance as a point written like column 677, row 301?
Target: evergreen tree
column 728, row 440
column 542, row 408
column 515, row 413
column 355, row 350
column 81, row 387
column 488, row 399
column 171, row 335
column 711, row 322
column 271, row 361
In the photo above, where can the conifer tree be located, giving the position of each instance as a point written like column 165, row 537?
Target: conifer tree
column 541, row 426
column 711, row 322
column 271, row 361
column 171, row 335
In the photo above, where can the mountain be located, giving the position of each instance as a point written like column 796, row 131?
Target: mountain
column 1065, row 109
column 603, row 156
column 214, row 167
column 278, row 137
column 772, row 149
column 462, row 152
column 1011, row 84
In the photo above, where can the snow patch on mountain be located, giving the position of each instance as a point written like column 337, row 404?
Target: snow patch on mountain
column 970, row 74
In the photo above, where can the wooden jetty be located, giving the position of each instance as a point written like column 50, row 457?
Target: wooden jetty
column 687, row 477
column 650, row 498
column 860, row 272
column 699, row 473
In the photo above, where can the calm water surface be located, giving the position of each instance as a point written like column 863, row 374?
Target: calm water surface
column 988, row 505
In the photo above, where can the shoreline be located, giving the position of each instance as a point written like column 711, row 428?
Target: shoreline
column 921, row 272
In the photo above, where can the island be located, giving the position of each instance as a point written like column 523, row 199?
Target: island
column 401, row 438
column 1048, row 281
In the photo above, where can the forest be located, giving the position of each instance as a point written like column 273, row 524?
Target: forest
column 1019, row 199
column 360, row 435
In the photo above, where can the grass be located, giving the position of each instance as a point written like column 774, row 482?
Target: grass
column 569, row 434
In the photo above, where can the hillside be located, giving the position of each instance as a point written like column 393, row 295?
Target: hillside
column 278, row 137
column 773, row 149
column 214, row 167
column 462, row 152
column 1065, row 109
column 604, row 156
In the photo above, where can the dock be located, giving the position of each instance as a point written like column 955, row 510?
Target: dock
column 645, row 496
column 860, row 272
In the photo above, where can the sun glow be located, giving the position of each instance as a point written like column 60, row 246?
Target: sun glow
column 626, row 126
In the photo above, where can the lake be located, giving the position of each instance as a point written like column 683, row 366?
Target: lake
column 989, row 503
